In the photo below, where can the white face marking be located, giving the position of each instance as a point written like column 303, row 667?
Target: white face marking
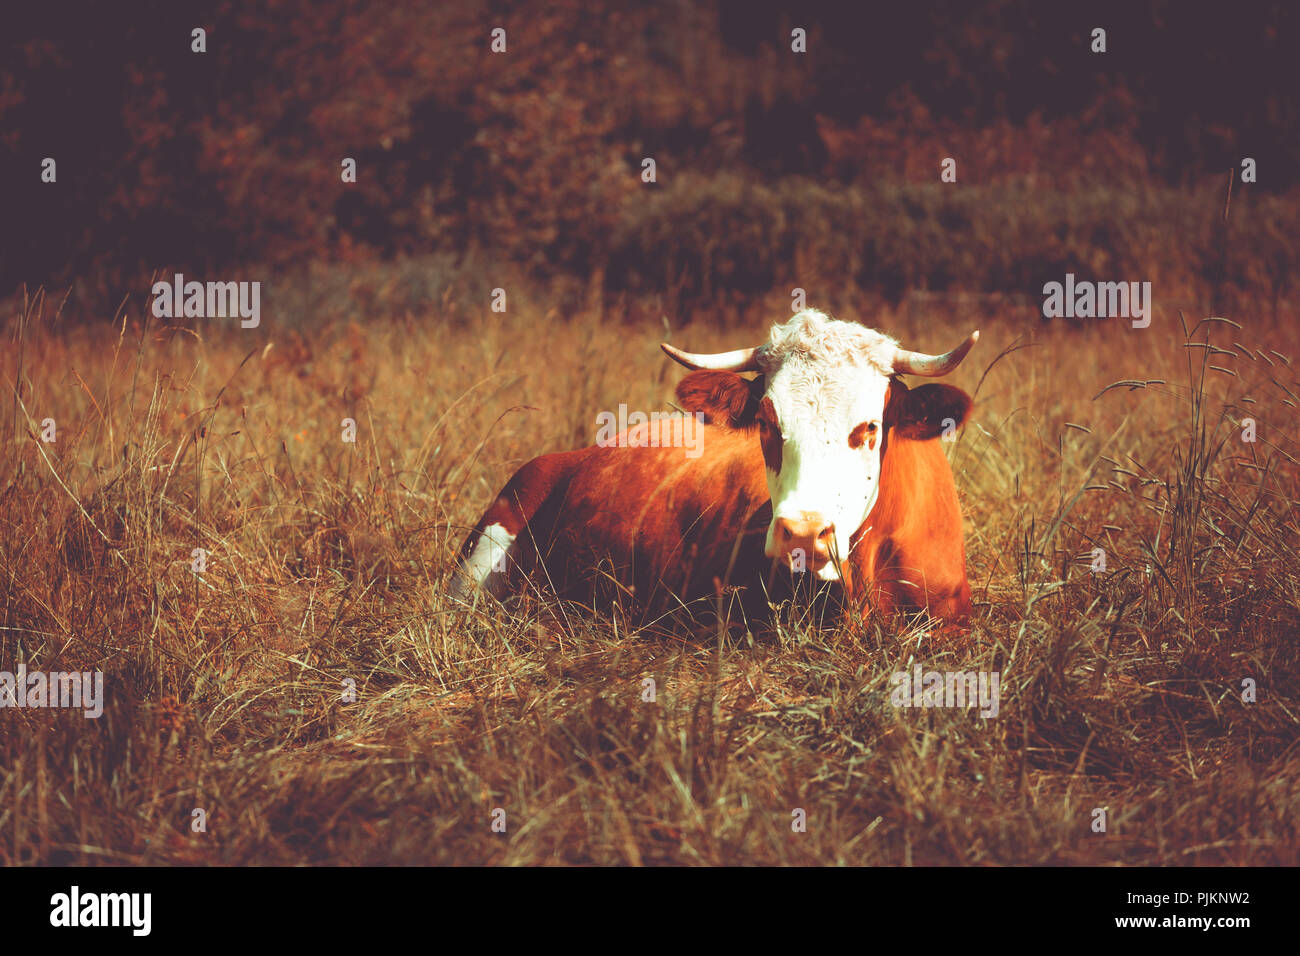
column 825, row 378
column 486, row 565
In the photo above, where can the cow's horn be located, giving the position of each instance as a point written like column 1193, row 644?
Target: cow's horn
column 741, row 360
column 919, row 363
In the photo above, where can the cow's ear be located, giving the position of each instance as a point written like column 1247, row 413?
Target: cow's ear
column 930, row 411
column 724, row 397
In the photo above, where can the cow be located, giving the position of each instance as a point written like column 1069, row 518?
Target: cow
column 826, row 462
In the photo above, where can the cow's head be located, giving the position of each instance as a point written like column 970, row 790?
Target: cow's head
column 824, row 406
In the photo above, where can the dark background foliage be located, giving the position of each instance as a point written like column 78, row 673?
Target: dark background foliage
column 168, row 159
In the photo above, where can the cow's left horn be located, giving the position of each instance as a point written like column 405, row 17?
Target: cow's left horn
column 919, row 363
column 740, row 360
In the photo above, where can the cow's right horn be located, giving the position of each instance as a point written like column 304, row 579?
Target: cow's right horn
column 921, row 363
column 740, row 360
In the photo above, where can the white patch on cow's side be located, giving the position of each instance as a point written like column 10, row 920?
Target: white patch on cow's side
column 825, row 377
column 486, row 565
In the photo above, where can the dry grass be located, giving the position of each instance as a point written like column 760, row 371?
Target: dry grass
column 1120, row 690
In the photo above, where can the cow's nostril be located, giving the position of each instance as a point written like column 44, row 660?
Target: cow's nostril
column 826, row 532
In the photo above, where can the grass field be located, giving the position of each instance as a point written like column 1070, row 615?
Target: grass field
column 326, row 563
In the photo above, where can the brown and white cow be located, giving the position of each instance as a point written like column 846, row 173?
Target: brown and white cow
column 826, row 462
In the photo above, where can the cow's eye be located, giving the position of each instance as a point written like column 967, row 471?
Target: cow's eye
column 864, row 434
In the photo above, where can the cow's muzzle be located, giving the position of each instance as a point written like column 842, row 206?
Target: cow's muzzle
column 802, row 541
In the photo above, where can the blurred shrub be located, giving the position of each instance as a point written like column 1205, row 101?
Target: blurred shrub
column 771, row 166
column 728, row 232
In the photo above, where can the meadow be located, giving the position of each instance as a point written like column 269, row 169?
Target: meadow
column 316, row 694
